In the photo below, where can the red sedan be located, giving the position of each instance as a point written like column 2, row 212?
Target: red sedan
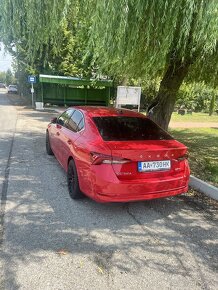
column 114, row 155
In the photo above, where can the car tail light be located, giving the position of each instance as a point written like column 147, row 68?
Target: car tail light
column 183, row 157
column 98, row 158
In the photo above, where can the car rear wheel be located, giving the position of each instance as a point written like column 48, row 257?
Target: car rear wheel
column 73, row 182
column 48, row 146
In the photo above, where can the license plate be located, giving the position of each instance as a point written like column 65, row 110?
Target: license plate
column 154, row 165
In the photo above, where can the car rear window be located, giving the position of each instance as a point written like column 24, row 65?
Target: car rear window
column 129, row 128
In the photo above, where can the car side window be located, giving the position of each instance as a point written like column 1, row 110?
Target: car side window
column 81, row 124
column 64, row 118
column 76, row 122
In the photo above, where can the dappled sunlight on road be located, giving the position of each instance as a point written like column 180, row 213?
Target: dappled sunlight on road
column 53, row 237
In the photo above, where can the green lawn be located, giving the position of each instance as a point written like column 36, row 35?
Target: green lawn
column 202, row 144
column 195, row 117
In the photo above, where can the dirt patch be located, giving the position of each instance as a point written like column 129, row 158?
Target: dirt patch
column 193, row 125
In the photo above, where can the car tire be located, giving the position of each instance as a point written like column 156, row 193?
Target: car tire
column 48, row 146
column 73, row 182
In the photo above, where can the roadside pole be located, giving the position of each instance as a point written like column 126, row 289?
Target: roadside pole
column 32, row 92
column 32, row 80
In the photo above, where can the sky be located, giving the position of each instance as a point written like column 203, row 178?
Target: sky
column 5, row 59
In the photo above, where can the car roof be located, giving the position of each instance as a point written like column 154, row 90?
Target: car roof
column 99, row 111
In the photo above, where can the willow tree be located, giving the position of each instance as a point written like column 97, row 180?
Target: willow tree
column 32, row 21
column 43, row 36
column 139, row 38
column 132, row 38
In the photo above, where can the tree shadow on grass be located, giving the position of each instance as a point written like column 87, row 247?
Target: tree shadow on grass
column 203, row 148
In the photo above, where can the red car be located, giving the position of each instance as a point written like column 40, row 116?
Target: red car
column 117, row 155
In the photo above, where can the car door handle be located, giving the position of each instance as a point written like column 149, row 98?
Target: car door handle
column 69, row 142
column 58, row 134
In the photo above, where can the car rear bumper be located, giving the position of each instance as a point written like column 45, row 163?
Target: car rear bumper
column 108, row 188
column 101, row 197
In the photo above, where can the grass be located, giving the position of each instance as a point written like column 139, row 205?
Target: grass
column 202, row 145
column 195, row 117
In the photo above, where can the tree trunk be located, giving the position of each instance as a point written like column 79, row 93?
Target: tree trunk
column 168, row 90
column 212, row 105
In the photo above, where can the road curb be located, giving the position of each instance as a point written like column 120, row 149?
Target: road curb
column 203, row 187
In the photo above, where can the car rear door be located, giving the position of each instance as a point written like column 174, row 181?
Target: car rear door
column 69, row 134
column 56, row 133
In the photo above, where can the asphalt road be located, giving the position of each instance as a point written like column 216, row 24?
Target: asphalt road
column 52, row 242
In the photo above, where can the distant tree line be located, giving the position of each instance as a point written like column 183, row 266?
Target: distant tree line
column 7, row 77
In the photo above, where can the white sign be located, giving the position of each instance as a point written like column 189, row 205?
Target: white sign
column 128, row 96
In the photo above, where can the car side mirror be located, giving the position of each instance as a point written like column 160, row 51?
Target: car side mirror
column 54, row 120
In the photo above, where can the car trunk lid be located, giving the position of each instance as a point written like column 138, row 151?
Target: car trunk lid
column 150, row 152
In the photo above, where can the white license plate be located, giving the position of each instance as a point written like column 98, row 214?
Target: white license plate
column 154, row 165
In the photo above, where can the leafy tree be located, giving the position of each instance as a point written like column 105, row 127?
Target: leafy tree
column 9, row 78
column 197, row 96
column 212, row 105
column 58, row 52
column 2, row 76
column 46, row 35
column 131, row 39
column 164, row 38
column 68, row 57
